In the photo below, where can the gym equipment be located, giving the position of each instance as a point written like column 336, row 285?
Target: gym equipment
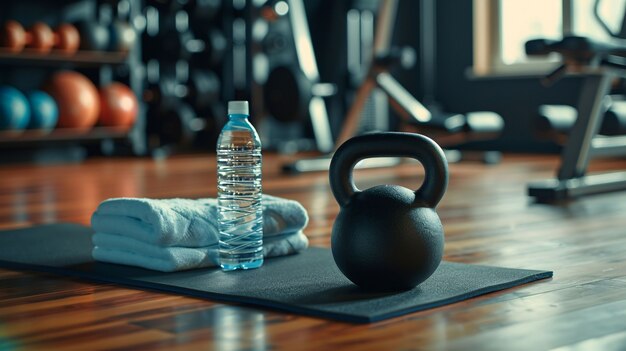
column 388, row 237
column 430, row 118
column 14, row 109
column 93, row 36
column 77, row 99
column 288, row 92
column 446, row 128
column 178, row 45
column 292, row 92
column 214, row 48
column 122, row 36
column 167, row 5
column 183, row 108
column 205, row 48
column 553, row 120
column 561, row 118
column 44, row 111
column 614, row 122
column 172, row 39
column 40, row 37
column 118, row 106
column 203, row 11
column 173, row 124
column 201, row 91
column 600, row 63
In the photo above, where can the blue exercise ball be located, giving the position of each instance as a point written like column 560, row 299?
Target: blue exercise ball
column 14, row 109
column 44, row 112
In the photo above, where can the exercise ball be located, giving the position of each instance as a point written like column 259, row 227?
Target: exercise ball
column 76, row 98
column 44, row 112
column 118, row 105
column 14, row 109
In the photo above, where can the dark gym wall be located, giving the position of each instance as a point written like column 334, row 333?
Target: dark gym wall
column 515, row 98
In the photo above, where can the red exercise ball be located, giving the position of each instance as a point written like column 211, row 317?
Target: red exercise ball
column 118, row 105
column 77, row 99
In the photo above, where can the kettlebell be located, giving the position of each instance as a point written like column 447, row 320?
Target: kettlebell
column 388, row 237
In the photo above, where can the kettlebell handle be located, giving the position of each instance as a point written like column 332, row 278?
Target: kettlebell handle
column 390, row 144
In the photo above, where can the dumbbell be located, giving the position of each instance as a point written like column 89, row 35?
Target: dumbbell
column 215, row 46
column 176, row 124
column 203, row 12
column 170, row 40
column 208, row 48
column 122, row 36
column 172, row 123
column 93, row 35
column 201, row 91
column 172, row 45
column 40, row 37
column 176, row 41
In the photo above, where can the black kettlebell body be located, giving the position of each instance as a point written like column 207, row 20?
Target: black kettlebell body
column 388, row 237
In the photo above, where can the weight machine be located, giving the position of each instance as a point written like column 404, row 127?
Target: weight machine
column 446, row 128
column 600, row 63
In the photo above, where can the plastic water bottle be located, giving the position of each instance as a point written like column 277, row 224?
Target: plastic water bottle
column 240, row 216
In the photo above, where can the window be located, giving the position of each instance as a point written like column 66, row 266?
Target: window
column 501, row 27
column 585, row 24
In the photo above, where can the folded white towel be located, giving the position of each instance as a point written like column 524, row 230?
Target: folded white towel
column 185, row 222
column 124, row 250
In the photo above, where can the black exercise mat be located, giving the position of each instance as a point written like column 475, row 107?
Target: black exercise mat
column 306, row 283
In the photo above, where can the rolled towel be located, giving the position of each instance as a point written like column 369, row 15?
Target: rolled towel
column 185, row 222
column 123, row 250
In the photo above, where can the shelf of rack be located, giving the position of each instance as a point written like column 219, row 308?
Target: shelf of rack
column 102, row 67
column 81, row 58
column 28, row 137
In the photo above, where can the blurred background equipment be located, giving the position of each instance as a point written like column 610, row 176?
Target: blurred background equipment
column 44, row 112
column 182, row 58
column 121, row 36
column 316, row 72
column 189, row 70
column 287, row 92
column 93, row 35
column 40, row 37
column 58, row 54
column 447, row 128
column 14, row 109
column 77, row 99
column 118, row 106
column 596, row 127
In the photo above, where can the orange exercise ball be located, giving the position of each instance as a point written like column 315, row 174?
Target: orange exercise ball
column 118, row 105
column 77, row 99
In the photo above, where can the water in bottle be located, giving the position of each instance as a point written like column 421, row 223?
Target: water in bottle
column 240, row 216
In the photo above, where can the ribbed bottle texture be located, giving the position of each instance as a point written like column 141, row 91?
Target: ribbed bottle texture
column 240, row 216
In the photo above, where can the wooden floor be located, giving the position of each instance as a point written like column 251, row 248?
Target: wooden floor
column 487, row 217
